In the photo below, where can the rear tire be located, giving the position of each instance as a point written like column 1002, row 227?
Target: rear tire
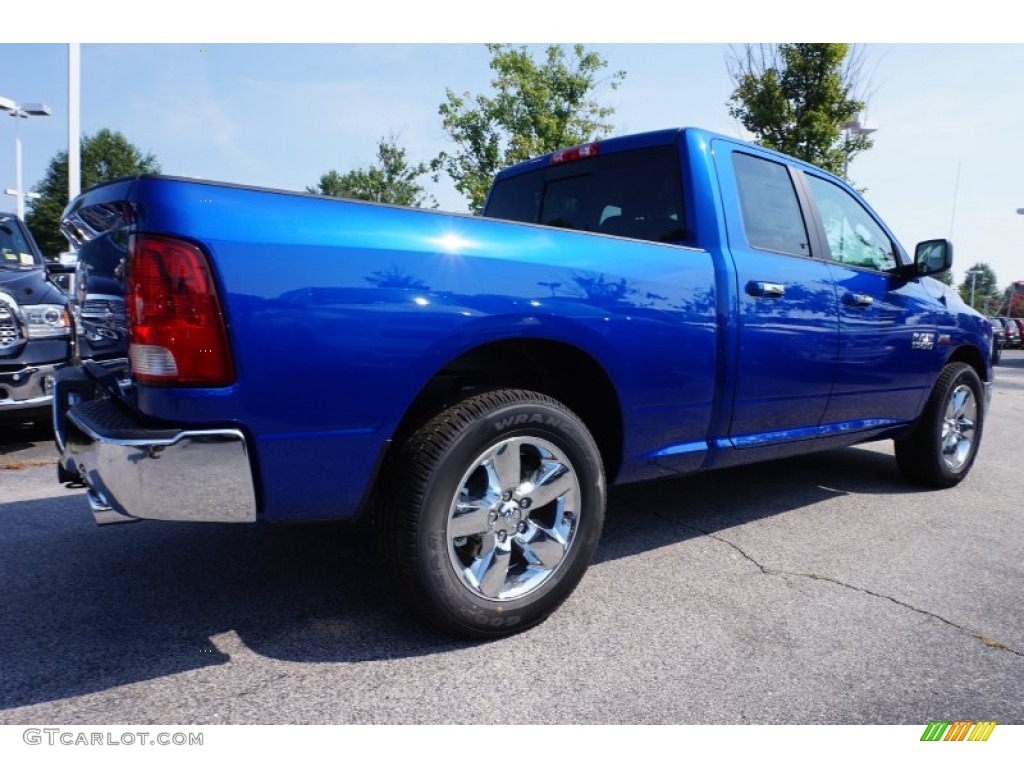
column 491, row 512
column 941, row 449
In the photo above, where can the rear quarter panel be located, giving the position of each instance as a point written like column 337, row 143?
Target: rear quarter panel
column 340, row 312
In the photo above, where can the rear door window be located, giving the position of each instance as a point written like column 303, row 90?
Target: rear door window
column 631, row 194
column 772, row 219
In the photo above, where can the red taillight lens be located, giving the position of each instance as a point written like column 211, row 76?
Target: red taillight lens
column 176, row 332
column 575, row 153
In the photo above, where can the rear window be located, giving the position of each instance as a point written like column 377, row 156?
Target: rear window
column 631, row 194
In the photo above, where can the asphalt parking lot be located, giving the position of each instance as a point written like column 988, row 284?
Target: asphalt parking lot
column 822, row 589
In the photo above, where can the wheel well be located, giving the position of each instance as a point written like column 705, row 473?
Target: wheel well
column 552, row 368
column 972, row 357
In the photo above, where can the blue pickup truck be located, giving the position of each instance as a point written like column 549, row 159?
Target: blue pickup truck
column 636, row 308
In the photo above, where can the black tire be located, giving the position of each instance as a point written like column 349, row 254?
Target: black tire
column 941, row 449
column 997, row 353
column 491, row 512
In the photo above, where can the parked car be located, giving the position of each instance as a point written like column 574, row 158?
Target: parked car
column 1013, row 335
column 35, row 326
column 998, row 339
column 1020, row 327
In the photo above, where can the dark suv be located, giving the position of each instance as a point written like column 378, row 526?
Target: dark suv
column 35, row 326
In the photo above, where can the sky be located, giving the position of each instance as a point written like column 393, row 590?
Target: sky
column 946, row 160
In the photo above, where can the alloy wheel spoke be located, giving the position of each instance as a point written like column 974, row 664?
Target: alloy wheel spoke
column 491, row 569
column 553, row 481
column 470, row 518
column 504, row 468
column 959, row 400
column 542, row 547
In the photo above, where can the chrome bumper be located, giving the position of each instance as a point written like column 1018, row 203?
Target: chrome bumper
column 28, row 389
column 137, row 472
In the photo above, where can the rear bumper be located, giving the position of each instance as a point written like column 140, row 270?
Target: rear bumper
column 137, row 472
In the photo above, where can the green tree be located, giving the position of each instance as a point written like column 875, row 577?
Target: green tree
column 106, row 155
column 1010, row 301
column 986, row 287
column 536, row 107
column 392, row 180
column 945, row 277
column 797, row 97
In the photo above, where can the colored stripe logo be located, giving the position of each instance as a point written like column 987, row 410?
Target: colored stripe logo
column 958, row 730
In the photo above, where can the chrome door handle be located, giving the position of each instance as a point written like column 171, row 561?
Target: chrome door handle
column 858, row 300
column 768, row 290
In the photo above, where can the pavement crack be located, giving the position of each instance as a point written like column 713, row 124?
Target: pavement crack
column 766, row 570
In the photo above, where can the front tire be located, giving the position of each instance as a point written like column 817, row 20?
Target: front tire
column 492, row 511
column 941, row 449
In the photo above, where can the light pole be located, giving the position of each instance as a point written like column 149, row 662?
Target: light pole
column 21, row 112
column 854, row 128
column 974, row 276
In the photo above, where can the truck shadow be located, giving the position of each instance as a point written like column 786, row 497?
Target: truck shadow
column 86, row 609
column 15, row 438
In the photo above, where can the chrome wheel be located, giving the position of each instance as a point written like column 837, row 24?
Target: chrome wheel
column 942, row 447
column 958, row 427
column 514, row 518
column 491, row 512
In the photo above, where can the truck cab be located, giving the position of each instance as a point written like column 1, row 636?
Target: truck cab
column 35, row 327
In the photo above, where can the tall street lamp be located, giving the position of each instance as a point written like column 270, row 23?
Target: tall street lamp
column 974, row 276
column 21, row 112
column 855, row 128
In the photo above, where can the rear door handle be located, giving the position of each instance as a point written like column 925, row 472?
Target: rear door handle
column 768, row 290
column 858, row 300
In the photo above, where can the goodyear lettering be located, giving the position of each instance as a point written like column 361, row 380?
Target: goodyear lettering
column 526, row 418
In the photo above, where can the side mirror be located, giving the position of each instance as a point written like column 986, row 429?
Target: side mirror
column 932, row 257
column 62, row 275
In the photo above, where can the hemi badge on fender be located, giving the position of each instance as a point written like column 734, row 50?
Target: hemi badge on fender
column 923, row 341
column 945, row 338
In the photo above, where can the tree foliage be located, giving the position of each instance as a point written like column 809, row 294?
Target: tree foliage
column 536, row 107
column 392, row 180
column 105, row 156
column 986, row 287
column 797, row 97
column 1012, row 303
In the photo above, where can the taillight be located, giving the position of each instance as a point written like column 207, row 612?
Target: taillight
column 176, row 332
column 575, row 153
